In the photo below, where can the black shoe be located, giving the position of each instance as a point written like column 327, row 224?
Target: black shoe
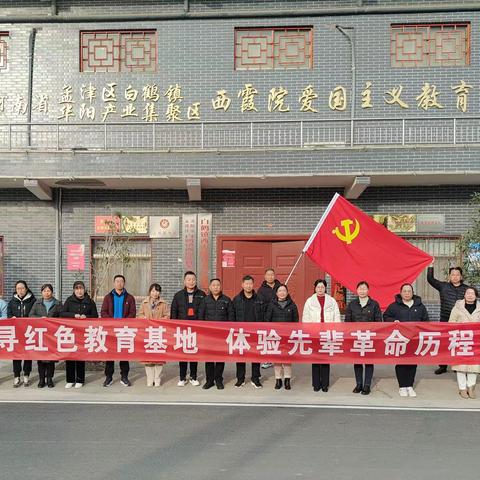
column 240, row 383
column 357, row 389
column 208, row 385
column 256, row 383
column 287, row 384
column 108, row 381
column 41, row 383
column 219, row 385
column 278, row 384
column 50, row 383
column 316, row 389
column 325, row 389
column 366, row 390
column 125, row 382
column 440, row 370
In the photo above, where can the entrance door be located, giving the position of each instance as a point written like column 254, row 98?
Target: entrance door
column 252, row 257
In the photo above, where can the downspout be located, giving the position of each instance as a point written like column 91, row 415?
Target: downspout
column 31, row 59
column 351, row 41
column 58, row 241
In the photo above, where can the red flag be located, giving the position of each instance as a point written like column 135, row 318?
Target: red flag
column 351, row 247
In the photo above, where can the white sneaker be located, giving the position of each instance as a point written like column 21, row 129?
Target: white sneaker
column 16, row 382
column 403, row 392
column 411, row 392
column 69, row 385
column 78, row 385
column 194, row 382
column 26, row 381
column 181, row 383
column 149, row 384
column 267, row 365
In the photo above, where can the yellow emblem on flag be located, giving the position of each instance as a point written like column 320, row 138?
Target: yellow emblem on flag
column 347, row 236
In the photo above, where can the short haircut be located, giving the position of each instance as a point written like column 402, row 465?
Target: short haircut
column 119, row 276
column 474, row 290
column 283, row 285
column 319, row 280
column 407, row 285
column 215, row 280
column 363, row 282
column 248, row 277
column 459, row 269
column 46, row 285
column 155, row 286
column 189, row 272
column 269, row 269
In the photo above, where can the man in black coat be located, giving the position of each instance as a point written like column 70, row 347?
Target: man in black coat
column 450, row 292
column 216, row 307
column 186, row 305
column 248, row 307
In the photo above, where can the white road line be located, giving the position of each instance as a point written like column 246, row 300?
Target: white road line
column 258, row 405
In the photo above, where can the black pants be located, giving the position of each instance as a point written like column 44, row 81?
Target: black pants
column 110, row 368
column 405, row 375
column 320, row 375
column 75, row 371
column 358, row 369
column 45, row 369
column 184, row 367
column 214, row 371
column 17, row 367
column 241, row 370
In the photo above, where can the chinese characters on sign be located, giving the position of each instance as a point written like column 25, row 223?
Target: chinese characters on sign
column 108, row 102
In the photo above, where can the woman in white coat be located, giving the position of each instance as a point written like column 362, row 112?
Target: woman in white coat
column 320, row 308
column 466, row 310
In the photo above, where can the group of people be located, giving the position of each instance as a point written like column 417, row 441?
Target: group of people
column 271, row 303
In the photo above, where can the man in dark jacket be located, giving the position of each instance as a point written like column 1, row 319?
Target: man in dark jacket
column 118, row 304
column 248, row 307
column 186, row 305
column 216, row 307
column 450, row 292
column 267, row 291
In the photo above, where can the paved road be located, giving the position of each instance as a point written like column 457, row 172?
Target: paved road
column 67, row 441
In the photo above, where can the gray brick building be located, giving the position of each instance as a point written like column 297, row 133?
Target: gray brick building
column 84, row 132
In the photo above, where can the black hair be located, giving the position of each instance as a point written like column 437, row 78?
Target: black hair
column 363, row 282
column 269, row 269
column 459, row 269
column 319, row 280
column 46, row 285
column 407, row 285
column 24, row 283
column 155, row 286
column 215, row 280
column 474, row 289
column 189, row 272
column 248, row 277
column 119, row 276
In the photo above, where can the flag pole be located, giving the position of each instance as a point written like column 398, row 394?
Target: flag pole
column 294, row 267
column 314, row 233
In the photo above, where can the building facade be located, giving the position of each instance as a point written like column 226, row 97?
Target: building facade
column 239, row 120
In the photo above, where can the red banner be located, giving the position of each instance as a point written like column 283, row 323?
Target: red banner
column 169, row 340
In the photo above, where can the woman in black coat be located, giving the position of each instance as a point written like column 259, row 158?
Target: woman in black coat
column 363, row 309
column 406, row 308
column 79, row 306
column 47, row 306
column 282, row 309
column 19, row 306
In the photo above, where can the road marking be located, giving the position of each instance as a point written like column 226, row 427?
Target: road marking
column 248, row 405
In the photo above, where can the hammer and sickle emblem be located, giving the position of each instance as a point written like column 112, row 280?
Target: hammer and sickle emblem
column 347, row 236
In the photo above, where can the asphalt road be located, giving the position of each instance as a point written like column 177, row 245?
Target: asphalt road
column 45, row 441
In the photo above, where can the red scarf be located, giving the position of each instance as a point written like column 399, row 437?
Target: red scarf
column 321, row 301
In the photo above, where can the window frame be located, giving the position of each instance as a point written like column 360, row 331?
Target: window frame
column 4, row 37
column 94, row 238
column 396, row 27
column 308, row 28
column 121, row 66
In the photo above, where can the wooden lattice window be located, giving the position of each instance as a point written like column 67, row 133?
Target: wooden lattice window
column 444, row 251
column 136, row 265
column 118, row 51
column 273, row 48
column 430, row 45
column 3, row 51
